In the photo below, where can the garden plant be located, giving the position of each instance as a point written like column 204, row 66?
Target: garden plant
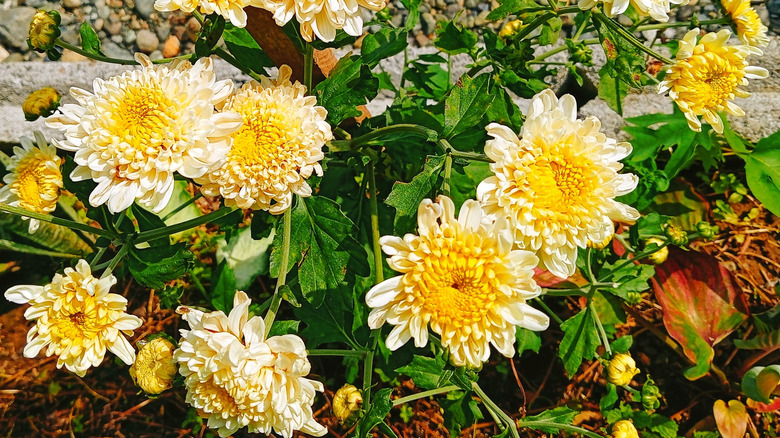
column 211, row 258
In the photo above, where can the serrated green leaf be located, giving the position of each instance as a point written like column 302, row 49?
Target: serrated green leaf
column 580, row 340
column 550, row 31
column 153, row 267
column 245, row 49
column 380, row 407
column 223, row 287
column 406, row 197
column 467, row 103
column 508, row 7
column 90, row 41
column 383, row 44
column 148, row 221
column 349, row 85
column 323, row 245
column 328, row 323
column 548, row 420
column 504, row 111
column 280, row 328
column 424, row 371
column 452, row 39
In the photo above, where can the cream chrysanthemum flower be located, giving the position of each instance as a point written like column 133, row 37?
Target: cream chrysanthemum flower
column 657, row 9
column 77, row 319
column 276, row 149
column 140, row 128
column 557, row 183
column 34, row 178
column 750, row 29
column 707, row 75
column 236, row 377
column 461, row 276
column 232, row 10
column 323, row 17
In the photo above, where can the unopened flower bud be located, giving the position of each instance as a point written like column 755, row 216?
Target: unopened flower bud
column 624, row 429
column 675, row 235
column 41, row 103
column 633, row 298
column 44, row 31
column 706, row 230
column 510, row 29
column 347, row 404
column 659, row 256
column 621, row 369
column 579, row 52
column 650, row 395
column 154, row 367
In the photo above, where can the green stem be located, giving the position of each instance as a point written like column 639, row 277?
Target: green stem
column 334, row 352
column 372, row 203
column 724, row 20
column 564, row 292
column 616, row 27
column 600, row 326
column 637, row 257
column 565, row 427
column 447, row 148
column 425, row 394
column 346, row 145
column 308, row 67
column 282, row 277
column 56, row 220
column 146, row 236
column 182, row 206
column 549, row 311
column 118, row 257
column 445, row 187
column 235, row 62
column 562, row 48
column 538, row 21
column 508, row 421
column 368, row 368
column 66, row 45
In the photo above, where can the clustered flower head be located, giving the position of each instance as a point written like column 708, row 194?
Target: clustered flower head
column 750, row 29
column 34, row 179
column 707, row 76
column 323, row 17
column 154, row 368
column 138, row 129
column 557, row 183
column 278, row 146
column 461, row 277
column 77, row 319
column 236, row 377
column 232, row 10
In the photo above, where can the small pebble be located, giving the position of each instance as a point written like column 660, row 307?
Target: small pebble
column 171, row 47
column 147, row 41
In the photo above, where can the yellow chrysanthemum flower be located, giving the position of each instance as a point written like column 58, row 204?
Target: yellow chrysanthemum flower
column 154, row 368
column 461, row 276
column 621, row 369
column 232, row 10
column 140, row 128
column 322, row 17
column 657, row 9
column 750, row 29
column 236, row 377
column 34, row 178
column 557, row 183
column 77, row 319
column 624, row 429
column 276, row 149
column 707, row 75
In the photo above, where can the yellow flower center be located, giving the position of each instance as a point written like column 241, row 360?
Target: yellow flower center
column 559, row 184
column 263, row 138
column 141, row 113
column 711, row 79
column 79, row 319
column 456, row 285
column 34, row 179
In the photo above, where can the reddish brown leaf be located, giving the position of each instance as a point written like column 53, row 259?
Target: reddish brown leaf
column 701, row 302
column 547, row 279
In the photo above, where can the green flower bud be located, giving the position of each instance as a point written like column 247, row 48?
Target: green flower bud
column 650, row 395
column 41, row 103
column 44, row 31
column 633, row 298
column 580, row 52
column 676, row 236
column 707, row 230
column 384, row 15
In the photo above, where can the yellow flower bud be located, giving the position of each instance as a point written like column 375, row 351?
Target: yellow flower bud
column 510, row 29
column 347, row 403
column 659, row 256
column 624, row 429
column 41, row 103
column 621, row 369
column 44, row 30
column 154, row 367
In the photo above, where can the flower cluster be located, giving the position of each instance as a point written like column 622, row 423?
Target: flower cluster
column 236, row 376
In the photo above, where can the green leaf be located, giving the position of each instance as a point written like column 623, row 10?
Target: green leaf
column 504, row 111
column 323, row 245
column 424, row 371
column 380, row 407
column 54, row 238
column 247, row 257
column 460, row 410
column 612, row 90
column 8, row 245
column 148, row 221
column 245, row 49
column 452, row 39
column 280, row 328
column 527, row 340
column 413, row 6
column 328, row 323
column 349, row 85
column 223, row 287
column 560, row 415
column 153, row 267
column 550, row 31
column 383, row 44
column 609, row 399
column 406, row 197
column 580, row 340
column 762, row 167
column 428, row 76
column 466, row 104
column 760, row 383
column 509, row 7
column 90, row 41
